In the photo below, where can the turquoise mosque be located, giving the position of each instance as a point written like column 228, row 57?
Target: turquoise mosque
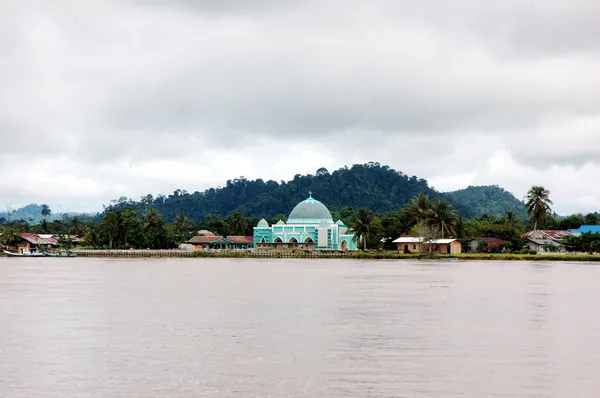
column 309, row 226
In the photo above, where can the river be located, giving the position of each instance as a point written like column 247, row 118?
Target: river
column 298, row 328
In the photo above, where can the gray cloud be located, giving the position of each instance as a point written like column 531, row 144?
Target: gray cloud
column 120, row 92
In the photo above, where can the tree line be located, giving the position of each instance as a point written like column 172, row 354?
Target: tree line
column 125, row 227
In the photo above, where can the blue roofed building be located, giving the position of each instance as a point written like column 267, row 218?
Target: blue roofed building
column 593, row 229
column 309, row 226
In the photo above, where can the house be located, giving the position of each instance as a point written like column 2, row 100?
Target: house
column 208, row 242
column 220, row 242
column 559, row 236
column 410, row 244
column 240, row 242
column 484, row 244
column 544, row 245
column 547, row 240
column 35, row 241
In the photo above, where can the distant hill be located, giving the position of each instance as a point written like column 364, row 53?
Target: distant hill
column 491, row 199
column 378, row 188
column 32, row 213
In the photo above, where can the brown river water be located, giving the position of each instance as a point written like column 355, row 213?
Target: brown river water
column 298, row 328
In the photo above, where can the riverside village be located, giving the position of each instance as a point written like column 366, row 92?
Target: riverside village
column 311, row 228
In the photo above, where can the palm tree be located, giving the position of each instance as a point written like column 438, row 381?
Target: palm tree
column 153, row 219
column 11, row 237
column 182, row 226
column 76, row 226
column 538, row 204
column 92, row 237
column 442, row 216
column 416, row 209
column 361, row 224
column 46, row 211
column 510, row 217
column 237, row 223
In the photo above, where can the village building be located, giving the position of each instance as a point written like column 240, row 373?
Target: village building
column 547, row 240
column 35, row 242
column 309, row 226
column 410, row 244
column 208, row 241
column 485, row 244
column 240, row 242
column 544, row 245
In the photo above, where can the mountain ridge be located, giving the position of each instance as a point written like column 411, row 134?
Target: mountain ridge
column 376, row 187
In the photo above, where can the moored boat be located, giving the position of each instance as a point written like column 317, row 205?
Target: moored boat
column 24, row 253
column 62, row 253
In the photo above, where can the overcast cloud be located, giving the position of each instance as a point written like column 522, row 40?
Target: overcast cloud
column 102, row 99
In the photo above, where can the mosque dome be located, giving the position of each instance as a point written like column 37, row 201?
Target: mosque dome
column 310, row 211
column 263, row 224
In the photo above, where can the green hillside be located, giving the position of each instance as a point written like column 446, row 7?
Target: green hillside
column 492, row 200
column 372, row 186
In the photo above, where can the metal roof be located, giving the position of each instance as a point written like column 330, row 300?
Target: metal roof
column 38, row 240
column 412, row 239
column 553, row 234
column 543, row 242
column 240, row 239
column 207, row 239
column 594, row 229
column 490, row 241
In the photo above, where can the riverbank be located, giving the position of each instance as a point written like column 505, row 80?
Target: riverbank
column 318, row 254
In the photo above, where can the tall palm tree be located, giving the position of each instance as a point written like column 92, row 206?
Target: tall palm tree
column 237, row 223
column 11, row 237
column 76, row 226
column 442, row 216
column 361, row 224
column 510, row 217
column 538, row 204
column 152, row 219
column 416, row 209
column 182, row 226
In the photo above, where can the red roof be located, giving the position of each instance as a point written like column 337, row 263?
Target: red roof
column 491, row 241
column 241, row 239
column 206, row 239
column 37, row 240
column 552, row 234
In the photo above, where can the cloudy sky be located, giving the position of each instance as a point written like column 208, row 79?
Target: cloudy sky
column 101, row 99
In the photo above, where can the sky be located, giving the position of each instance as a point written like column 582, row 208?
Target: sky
column 103, row 99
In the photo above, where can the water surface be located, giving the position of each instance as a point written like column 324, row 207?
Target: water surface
column 297, row 328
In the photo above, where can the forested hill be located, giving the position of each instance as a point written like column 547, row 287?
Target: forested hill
column 373, row 186
column 493, row 200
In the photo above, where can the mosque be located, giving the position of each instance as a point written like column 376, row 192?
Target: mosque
column 309, row 226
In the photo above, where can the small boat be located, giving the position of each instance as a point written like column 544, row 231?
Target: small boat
column 62, row 253
column 24, row 253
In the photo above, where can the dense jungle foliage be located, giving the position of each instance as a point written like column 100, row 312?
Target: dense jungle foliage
column 372, row 186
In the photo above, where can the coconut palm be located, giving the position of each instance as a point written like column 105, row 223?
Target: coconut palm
column 361, row 225
column 152, row 219
column 510, row 217
column 11, row 237
column 182, row 227
column 441, row 216
column 237, row 223
column 416, row 210
column 76, row 226
column 538, row 204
